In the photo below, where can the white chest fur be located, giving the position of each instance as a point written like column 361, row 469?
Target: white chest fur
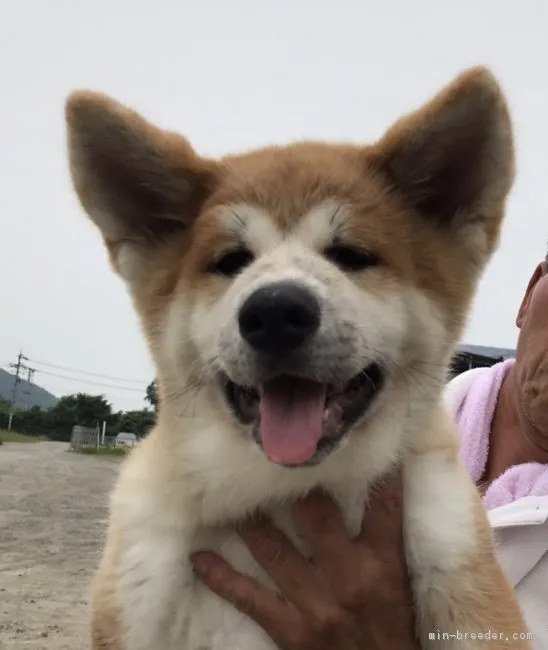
column 167, row 607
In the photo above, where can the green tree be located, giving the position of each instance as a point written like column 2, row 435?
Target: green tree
column 137, row 422
column 4, row 413
column 82, row 409
column 152, row 394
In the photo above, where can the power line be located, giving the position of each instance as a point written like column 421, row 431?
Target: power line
column 19, row 367
column 79, row 380
column 90, row 374
column 87, row 381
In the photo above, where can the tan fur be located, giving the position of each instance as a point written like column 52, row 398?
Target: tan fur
column 428, row 199
column 106, row 629
column 479, row 599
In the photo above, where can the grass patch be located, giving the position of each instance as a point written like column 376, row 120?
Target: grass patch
column 104, row 451
column 13, row 436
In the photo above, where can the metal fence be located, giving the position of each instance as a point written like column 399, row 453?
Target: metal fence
column 90, row 438
column 85, row 438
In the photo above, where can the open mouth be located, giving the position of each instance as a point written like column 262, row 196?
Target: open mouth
column 297, row 421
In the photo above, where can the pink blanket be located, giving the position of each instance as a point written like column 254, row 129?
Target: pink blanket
column 474, row 418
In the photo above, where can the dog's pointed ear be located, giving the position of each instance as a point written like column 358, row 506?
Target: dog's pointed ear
column 137, row 182
column 453, row 160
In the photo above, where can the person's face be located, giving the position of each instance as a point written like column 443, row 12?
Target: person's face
column 532, row 350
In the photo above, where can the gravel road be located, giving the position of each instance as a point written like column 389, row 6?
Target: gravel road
column 53, row 509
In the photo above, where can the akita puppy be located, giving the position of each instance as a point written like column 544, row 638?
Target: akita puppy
column 301, row 304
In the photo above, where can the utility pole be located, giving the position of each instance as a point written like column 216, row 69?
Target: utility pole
column 30, row 374
column 18, row 367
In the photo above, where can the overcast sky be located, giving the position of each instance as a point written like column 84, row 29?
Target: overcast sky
column 232, row 75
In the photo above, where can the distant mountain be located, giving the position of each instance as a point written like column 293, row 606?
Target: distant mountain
column 28, row 394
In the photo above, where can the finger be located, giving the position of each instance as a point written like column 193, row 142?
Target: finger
column 294, row 576
column 383, row 518
column 248, row 596
column 324, row 530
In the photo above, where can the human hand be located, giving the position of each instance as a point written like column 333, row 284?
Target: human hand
column 355, row 595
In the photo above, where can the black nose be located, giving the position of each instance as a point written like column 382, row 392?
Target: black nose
column 279, row 317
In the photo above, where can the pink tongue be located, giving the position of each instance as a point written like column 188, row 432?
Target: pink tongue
column 291, row 419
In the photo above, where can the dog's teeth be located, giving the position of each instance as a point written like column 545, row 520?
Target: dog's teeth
column 331, row 419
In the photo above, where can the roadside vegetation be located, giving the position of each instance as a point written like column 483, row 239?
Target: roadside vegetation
column 14, row 436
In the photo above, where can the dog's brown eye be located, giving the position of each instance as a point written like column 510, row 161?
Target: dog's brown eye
column 231, row 263
column 351, row 258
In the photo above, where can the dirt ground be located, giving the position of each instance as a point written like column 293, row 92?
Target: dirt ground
column 53, row 509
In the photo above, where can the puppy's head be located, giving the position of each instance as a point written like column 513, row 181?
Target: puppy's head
column 306, row 289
